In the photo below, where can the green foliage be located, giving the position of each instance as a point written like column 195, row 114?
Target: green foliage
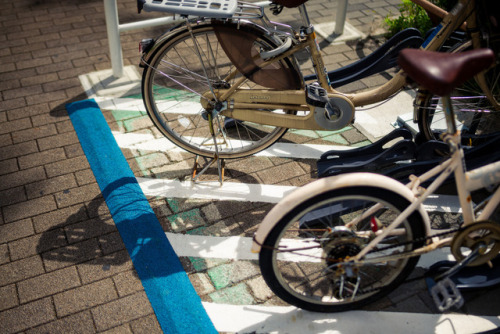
column 412, row 15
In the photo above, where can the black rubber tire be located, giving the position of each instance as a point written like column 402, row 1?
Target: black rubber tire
column 236, row 138
column 279, row 274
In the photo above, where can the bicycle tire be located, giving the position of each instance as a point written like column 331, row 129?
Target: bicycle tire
column 174, row 105
column 302, row 278
column 475, row 116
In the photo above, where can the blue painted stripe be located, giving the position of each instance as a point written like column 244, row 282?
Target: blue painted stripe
column 176, row 304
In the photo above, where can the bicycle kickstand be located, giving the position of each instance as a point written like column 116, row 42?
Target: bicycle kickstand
column 444, row 291
column 220, row 162
column 220, row 167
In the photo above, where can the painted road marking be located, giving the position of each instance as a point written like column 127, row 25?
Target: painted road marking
column 148, row 142
column 238, row 248
column 175, row 302
column 248, row 192
column 281, row 319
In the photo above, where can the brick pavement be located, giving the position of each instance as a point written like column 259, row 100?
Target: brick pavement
column 63, row 266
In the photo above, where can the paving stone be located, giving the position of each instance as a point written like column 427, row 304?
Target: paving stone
column 152, row 160
column 41, row 158
column 22, row 177
column 65, row 256
column 60, row 140
column 85, row 297
column 28, row 315
column 201, row 264
column 8, row 297
column 4, row 254
column 51, row 186
column 13, row 195
column 232, row 273
column 34, row 133
column 52, row 283
column 18, row 150
column 60, row 218
column 111, row 243
column 5, row 140
column 280, row 173
column 186, row 220
column 29, row 208
column 88, row 229
column 201, row 283
column 15, row 125
column 122, row 310
column 36, row 244
column 20, row 270
column 104, row 266
column 236, row 295
column 127, row 283
column 75, row 323
column 77, row 195
column 146, row 325
column 17, row 230
column 353, row 136
column 259, row 289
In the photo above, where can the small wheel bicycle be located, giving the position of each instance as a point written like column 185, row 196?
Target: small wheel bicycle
column 227, row 83
column 344, row 241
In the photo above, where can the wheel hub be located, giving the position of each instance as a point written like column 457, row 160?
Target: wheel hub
column 340, row 244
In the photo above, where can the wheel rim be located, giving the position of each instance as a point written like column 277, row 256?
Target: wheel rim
column 176, row 86
column 303, row 274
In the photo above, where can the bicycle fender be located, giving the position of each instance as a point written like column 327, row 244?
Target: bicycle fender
column 327, row 184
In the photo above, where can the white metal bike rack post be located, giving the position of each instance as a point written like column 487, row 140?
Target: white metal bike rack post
column 114, row 28
column 340, row 17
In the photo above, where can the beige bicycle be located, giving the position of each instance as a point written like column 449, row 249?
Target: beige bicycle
column 226, row 83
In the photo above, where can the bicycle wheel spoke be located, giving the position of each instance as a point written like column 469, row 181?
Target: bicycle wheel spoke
column 307, row 257
column 177, row 80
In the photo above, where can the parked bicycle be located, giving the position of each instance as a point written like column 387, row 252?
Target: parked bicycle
column 226, row 83
column 344, row 241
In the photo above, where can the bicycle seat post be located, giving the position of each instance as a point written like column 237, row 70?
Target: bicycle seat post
column 449, row 115
column 305, row 17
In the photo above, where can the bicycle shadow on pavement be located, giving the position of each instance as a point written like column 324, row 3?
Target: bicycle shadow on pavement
column 87, row 236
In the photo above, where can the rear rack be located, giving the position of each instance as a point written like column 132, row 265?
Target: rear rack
column 219, row 9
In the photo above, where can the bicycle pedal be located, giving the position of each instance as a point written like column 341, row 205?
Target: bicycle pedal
column 316, row 95
column 445, row 294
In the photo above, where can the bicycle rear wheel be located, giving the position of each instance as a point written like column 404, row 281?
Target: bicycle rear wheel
column 180, row 72
column 304, row 259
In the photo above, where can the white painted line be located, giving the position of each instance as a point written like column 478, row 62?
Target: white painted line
column 252, row 192
column 214, row 191
column 234, row 248
column 238, row 248
column 148, row 142
column 282, row 319
column 120, row 103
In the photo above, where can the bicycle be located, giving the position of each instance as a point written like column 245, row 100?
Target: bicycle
column 225, row 85
column 344, row 241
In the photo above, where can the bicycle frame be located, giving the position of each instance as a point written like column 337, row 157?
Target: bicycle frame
column 466, row 182
column 245, row 107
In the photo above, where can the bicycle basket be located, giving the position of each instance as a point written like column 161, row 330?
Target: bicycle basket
column 241, row 48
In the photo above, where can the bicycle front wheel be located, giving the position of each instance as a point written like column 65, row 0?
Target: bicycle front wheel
column 181, row 72
column 476, row 116
column 304, row 259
